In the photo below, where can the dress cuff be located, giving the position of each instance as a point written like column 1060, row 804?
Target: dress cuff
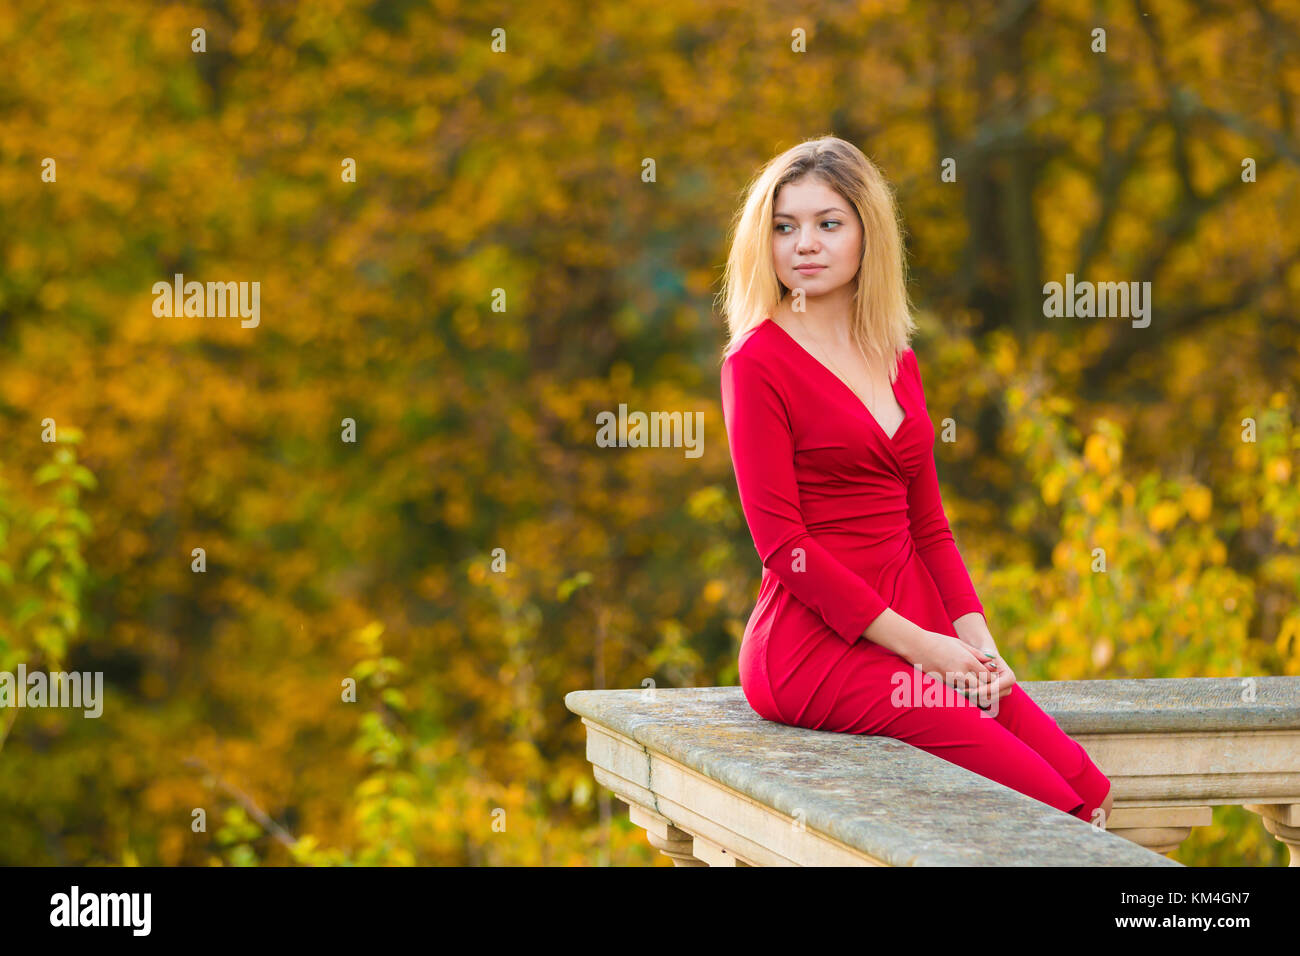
column 957, row 607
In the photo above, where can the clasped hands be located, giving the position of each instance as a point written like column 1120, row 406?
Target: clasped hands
column 973, row 665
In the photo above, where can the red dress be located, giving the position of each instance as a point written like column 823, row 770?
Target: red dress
column 848, row 521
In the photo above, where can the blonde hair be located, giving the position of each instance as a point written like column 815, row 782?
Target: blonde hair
column 881, row 323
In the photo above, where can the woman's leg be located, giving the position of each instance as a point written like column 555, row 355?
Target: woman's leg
column 823, row 685
column 870, row 690
column 962, row 734
column 1021, row 716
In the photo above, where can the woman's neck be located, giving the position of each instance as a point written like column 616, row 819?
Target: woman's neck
column 828, row 322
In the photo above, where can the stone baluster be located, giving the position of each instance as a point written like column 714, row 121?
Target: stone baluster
column 1283, row 821
column 674, row 843
column 1159, row 829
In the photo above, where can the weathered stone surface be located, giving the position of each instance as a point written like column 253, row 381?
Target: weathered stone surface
column 882, row 796
column 1191, row 705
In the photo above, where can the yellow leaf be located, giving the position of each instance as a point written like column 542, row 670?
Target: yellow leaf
column 1196, row 500
column 1052, row 486
column 1098, row 454
column 1164, row 515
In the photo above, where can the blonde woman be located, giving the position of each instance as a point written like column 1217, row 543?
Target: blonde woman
column 866, row 620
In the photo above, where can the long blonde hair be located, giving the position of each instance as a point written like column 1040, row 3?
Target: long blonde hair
column 881, row 324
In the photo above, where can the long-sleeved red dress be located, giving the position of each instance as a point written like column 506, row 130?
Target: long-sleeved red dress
column 848, row 521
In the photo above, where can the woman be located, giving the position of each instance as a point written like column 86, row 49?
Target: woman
column 866, row 620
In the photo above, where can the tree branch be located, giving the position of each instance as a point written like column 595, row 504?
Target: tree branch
column 247, row 802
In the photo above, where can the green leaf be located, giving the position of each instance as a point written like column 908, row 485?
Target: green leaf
column 569, row 585
column 27, row 610
column 37, row 562
column 50, row 640
column 394, row 698
column 80, row 520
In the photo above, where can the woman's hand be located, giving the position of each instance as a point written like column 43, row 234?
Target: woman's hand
column 1006, row 679
column 957, row 664
column 974, row 630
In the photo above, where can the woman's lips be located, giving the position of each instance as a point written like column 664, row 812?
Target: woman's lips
column 809, row 270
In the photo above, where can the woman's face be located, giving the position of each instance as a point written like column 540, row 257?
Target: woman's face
column 815, row 226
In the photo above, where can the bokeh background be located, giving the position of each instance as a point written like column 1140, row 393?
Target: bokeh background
column 505, row 266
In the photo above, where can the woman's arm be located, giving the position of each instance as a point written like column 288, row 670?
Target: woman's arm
column 762, row 452
column 934, row 539
column 974, row 630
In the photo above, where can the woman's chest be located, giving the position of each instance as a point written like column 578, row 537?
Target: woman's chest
column 874, row 394
column 836, row 434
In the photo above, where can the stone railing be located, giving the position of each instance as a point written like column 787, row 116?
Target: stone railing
column 714, row 784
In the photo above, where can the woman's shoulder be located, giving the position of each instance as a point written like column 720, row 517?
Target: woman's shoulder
column 909, row 374
column 907, row 362
column 755, row 348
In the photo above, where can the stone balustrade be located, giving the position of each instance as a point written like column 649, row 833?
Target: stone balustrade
column 714, row 784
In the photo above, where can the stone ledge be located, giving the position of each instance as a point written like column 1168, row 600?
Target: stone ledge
column 883, row 798
column 1185, row 704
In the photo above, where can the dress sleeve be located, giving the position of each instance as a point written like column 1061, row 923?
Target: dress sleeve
column 762, row 453
column 930, row 531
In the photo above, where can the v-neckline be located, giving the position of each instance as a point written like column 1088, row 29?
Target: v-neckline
column 907, row 412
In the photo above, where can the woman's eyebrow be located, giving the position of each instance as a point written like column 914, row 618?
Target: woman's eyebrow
column 819, row 212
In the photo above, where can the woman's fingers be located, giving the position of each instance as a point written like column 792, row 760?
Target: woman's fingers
column 982, row 684
column 971, row 683
column 1003, row 682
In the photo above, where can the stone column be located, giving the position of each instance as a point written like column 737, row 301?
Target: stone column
column 1283, row 821
column 675, row 843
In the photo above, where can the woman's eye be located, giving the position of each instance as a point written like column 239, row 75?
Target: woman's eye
column 783, row 225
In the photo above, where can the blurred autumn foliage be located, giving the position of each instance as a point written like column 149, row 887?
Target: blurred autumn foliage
column 502, row 269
